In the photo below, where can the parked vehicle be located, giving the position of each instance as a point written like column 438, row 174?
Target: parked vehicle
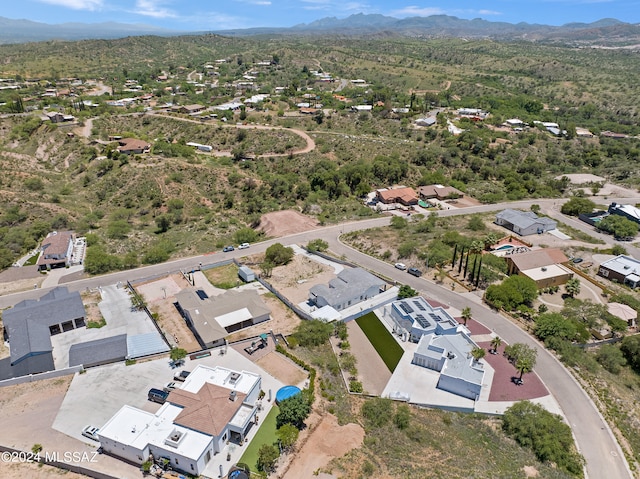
column 170, row 387
column 415, row 272
column 226, row 249
column 181, row 376
column 401, row 266
column 91, row 432
column 157, row 395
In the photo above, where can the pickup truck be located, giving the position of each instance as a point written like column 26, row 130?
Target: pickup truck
column 181, row 376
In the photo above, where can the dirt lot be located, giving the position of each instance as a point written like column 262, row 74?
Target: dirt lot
column 282, row 223
column 169, row 319
column 295, row 279
column 13, row 280
column 320, row 445
column 282, row 368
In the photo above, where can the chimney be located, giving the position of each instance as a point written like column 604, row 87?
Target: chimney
column 232, row 395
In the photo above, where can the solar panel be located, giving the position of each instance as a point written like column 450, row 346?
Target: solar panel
column 434, row 316
column 422, row 321
column 419, row 305
column 406, row 308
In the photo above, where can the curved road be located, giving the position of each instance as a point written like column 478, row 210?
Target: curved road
column 604, row 458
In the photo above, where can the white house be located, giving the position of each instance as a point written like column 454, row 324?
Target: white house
column 451, row 356
column 213, row 406
column 415, row 317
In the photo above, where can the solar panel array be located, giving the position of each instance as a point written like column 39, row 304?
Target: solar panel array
column 422, row 321
column 406, row 308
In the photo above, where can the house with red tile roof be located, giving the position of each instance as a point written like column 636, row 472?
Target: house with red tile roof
column 133, row 146
column 214, row 406
column 403, row 195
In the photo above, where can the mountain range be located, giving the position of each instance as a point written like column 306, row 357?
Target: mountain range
column 607, row 31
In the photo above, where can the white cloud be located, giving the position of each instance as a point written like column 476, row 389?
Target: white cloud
column 414, row 11
column 336, row 6
column 153, row 8
column 77, row 4
column 489, row 12
column 264, row 3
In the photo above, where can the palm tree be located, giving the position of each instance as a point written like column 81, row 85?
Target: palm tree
column 478, row 353
column 466, row 314
column 495, row 344
column 525, row 365
column 572, row 287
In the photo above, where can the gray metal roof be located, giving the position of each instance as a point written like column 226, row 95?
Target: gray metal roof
column 524, row 219
column 99, row 351
column 139, row 345
column 27, row 323
column 456, row 348
column 350, row 283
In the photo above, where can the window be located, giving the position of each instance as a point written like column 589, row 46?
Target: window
column 193, row 468
column 176, row 459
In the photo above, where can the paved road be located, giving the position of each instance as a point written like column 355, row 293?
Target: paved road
column 595, row 440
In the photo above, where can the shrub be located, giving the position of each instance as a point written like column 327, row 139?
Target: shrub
column 545, row 434
column 277, row 254
column 313, row 333
column 377, row 411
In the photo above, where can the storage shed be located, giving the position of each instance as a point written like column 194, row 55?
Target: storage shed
column 246, row 274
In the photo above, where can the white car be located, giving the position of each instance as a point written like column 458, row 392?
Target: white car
column 170, row 387
column 401, row 266
column 91, row 432
column 244, row 246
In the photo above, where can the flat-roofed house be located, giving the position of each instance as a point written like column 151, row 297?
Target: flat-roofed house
column 415, row 317
column 212, row 407
column 450, row 355
column 622, row 269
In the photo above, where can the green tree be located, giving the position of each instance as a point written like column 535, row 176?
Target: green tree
column 399, row 223
column 406, row 291
column 495, row 344
column 526, row 363
column 246, row 235
column 611, row 358
column 294, row 411
column 288, row 435
column 313, row 333
column 550, row 325
column 546, row 434
column 572, row 287
column 267, row 457
column 163, row 223
column 466, row 314
column 118, row 229
column 478, row 353
column 630, row 347
column 98, row 261
column 277, row 254
column 619, row 226
column 177, row 353
column 475, row 223
column 577, row 206
column 317, row 245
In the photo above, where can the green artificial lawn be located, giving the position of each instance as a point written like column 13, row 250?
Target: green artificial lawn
column 380, row 338
column 33, row 260
column 265, row 435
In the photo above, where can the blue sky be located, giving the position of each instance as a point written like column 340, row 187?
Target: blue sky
column 192, row 15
